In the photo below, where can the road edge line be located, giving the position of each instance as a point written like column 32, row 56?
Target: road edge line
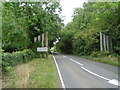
column 58, row 70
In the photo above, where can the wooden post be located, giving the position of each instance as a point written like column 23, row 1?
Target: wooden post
column 107, row 40
column 43, row 43
column 43, row 40
column 39, row 38
column 46, row 39
column 104, row 39
column 35, row 39
column 101, row 42
column 47, row 43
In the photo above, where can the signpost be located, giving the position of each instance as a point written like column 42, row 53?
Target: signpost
column 44, row 48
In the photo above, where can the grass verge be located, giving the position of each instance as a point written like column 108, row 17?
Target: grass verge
column 105, row 59
column 38, row 73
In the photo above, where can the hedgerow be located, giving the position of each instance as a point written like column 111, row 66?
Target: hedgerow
column 11, row 59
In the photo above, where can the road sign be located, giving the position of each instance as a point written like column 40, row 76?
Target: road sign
column 42, row 49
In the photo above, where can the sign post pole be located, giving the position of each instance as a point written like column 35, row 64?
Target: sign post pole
column 47, row 43
column 44, row 48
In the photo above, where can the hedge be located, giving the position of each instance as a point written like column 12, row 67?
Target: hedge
column 11, row 59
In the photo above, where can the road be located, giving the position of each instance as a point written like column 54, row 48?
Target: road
column 76, row 72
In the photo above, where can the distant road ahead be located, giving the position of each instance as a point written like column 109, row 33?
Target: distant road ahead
column 76, row 72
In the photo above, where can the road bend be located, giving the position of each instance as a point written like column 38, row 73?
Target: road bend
column 76, row 72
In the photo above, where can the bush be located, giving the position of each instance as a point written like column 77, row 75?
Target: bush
column 11, row 59
column 95, row 53
column 106, row 53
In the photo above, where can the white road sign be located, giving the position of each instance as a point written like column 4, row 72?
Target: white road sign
column 42, row 49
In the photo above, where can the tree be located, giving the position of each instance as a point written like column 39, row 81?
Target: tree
column 24, row 21
column 87, row 24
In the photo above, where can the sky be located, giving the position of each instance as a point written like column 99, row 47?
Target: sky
column 68, row 8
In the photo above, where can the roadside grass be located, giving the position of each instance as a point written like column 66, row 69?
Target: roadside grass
column 37, row 73
column 44, row 76
column 115, row 61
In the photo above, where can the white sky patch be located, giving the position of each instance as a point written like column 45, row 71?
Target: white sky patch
column 68, row 8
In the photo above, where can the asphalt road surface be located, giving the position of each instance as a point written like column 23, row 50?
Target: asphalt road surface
column 76, row 72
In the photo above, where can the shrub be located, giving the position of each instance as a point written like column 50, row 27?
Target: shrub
column 11, row 59
column 95, row 53
column 106, row 52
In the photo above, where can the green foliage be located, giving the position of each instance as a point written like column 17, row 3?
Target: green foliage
column 40, row 70
column 65, row 45
column 21, row 22
column 95, row 54
column 105, row 59
column 14, row 34
column 82, row 34
column 106, row 52
column 11, row 59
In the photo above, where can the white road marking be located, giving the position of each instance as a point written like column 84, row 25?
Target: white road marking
column 76, row 62
column 60, row 76
column 94, row 73
column 64, row 56
column 115, row 82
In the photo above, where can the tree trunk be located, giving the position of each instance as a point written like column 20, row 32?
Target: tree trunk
column 35, row 39
column 46, row 39
column 39, row 38
column 101, row 42
column 107, row 40
column 47, row 43
column 43, row 40
column 104, row 40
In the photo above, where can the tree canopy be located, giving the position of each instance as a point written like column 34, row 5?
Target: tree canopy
column 22, row 21
column 81, row 36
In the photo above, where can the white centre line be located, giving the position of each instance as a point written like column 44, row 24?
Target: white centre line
column 111, row 81
column 115, row 82
column 76, row 62
column 95, row 74
column 64, row 56
column 60, row 76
